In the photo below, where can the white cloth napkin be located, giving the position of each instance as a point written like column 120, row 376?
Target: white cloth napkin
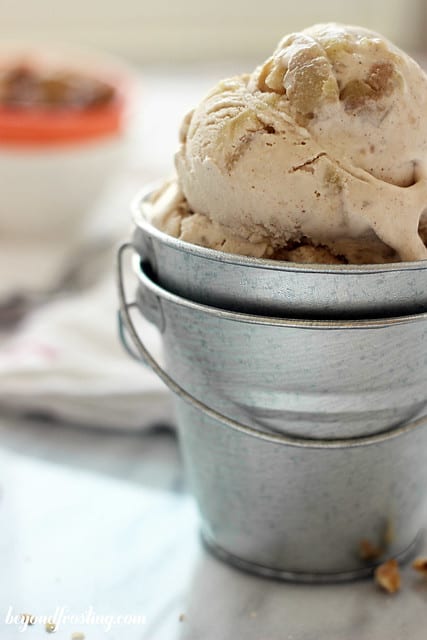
column 66, row 362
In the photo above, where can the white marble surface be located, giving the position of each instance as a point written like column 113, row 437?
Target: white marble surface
column 103, row 520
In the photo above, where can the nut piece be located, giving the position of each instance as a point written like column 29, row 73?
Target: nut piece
column 420, row 565
column 369, row 551
column 387, row 576
column 28, row 618
column 50, row 626
column 78, row 635
column 316, row 255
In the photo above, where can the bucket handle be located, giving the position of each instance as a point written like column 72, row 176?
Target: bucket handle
column 127, row 328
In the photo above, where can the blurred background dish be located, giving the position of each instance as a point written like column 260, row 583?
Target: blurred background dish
column 64, row 124
column 66, row 129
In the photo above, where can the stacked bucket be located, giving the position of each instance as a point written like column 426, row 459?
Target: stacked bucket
column 300, row 394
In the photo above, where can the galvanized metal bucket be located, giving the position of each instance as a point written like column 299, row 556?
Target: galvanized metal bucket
column 329, row 379
column 275, row 288
column 303, row 510
column 285, row 506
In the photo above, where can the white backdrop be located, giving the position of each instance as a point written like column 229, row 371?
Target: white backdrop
column 167, row 31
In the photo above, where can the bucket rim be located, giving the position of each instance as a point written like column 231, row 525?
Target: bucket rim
column 141, row 222
column 125, row 322
column 247, row 318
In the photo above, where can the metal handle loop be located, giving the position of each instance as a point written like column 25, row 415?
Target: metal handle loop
column 126, row 322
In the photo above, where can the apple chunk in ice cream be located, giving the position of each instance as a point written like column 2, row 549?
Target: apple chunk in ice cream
column 319, row 155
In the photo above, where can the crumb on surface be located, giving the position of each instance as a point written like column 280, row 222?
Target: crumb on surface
column 181, row 617
column 420, row 565
column 369, row 551
column 387, row 576
column 28, row 618
column 50, row 626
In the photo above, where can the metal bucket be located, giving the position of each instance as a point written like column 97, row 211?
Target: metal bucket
column 302, row 510
column 275, row 288
column 284, row 506
column 329, row 379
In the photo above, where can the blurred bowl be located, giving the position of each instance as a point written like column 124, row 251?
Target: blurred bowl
column 55, row 165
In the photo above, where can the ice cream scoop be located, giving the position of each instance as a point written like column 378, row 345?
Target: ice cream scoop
column 319, row 155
